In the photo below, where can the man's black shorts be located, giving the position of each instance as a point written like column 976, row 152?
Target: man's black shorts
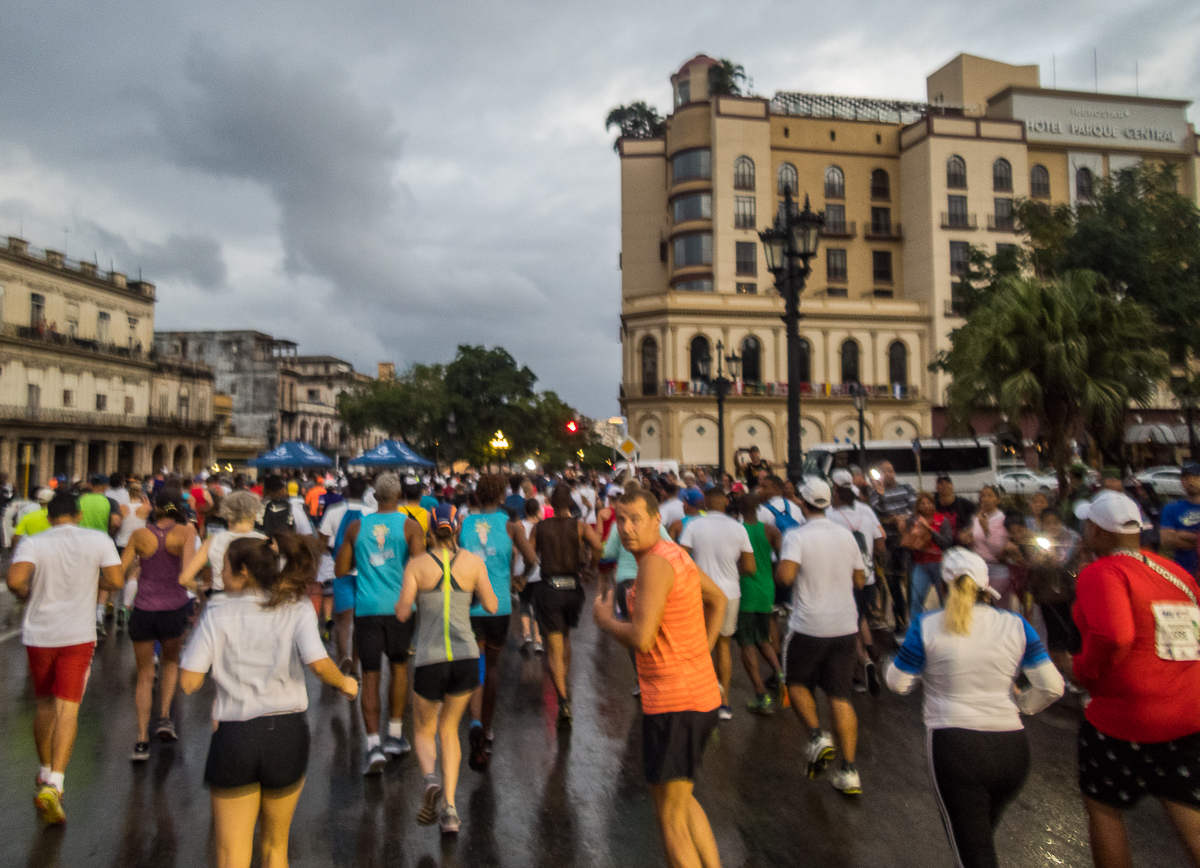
column 1061, row 632
column 821, row 661
column 753, row 628
column 673, row 743
column 147, row 626
column 557, row 611
column 491, row 630
column 1118, row 773
column 379, row 635
column 436, row 681
column 271, row 751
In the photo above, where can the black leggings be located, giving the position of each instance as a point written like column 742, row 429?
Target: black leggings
column 975, row 776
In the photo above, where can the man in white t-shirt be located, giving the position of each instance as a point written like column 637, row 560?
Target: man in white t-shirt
column 721, row 547
column 343, row 588
column 671, row 509
column 774, row 509
column 821, row 561
column 59, row 571
column 861, row 521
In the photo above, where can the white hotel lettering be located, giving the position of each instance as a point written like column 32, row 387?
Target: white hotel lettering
column 1100, row 130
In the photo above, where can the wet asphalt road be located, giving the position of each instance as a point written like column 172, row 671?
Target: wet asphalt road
column 550, row 799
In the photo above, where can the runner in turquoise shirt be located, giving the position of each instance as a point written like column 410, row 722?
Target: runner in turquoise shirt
column 490, row 535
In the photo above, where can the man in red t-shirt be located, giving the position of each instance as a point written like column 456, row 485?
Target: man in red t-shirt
column 1140, row 660
column 676, row 612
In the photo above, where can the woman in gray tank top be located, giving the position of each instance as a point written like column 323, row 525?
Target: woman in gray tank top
column 442, row 583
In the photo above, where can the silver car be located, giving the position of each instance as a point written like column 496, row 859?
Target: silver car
column 1026, row 482
column 1164, row 479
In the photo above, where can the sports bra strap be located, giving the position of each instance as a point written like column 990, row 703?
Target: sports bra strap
column 446, row 567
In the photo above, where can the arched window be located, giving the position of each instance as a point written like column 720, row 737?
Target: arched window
column 898, row 364
column 1039, row 182
column 881, row 185
column 751, row 360
column 649, row 366
column 1083, row 183
column 805, row 361
column 743, row 174
column 835, row 183
column 303, row 430
column 700, row 352
column 956, row 173
column 1002, row 176
column 850, row 362
column 788, row 179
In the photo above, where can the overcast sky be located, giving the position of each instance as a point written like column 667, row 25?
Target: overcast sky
column 385, row 181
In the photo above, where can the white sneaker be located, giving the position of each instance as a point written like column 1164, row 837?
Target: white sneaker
column 818, row 752
column 374, row 762
column 847, row 780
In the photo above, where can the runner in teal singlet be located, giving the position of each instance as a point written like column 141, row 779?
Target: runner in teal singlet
column 492, row 536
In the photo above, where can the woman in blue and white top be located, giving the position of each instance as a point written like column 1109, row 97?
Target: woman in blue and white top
column 968, row 655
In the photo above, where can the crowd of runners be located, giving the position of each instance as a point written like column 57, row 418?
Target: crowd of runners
column 395, row 585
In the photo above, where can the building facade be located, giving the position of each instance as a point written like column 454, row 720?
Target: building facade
column 906, row 189
column 81, row 389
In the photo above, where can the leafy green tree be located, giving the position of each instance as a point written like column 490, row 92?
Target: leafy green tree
column 1062, row 351
column 636, row 121
column 487, row 392
column 412, row 407
column 984, row 272
column 726, row 77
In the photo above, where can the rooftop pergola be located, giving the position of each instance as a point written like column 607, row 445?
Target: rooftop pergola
column 855, row 108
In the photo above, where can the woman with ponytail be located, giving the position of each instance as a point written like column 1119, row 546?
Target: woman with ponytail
column 442, row 583
column 968, row 655
column 257, row 638
column 160, row 613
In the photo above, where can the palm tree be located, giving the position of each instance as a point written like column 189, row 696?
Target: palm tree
column 726, row 77
column 1072, row 357
column 636, row 121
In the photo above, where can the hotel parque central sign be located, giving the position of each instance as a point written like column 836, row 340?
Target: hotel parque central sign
column 1079, row 121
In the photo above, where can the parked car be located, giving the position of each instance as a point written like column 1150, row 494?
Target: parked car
column 1026, row 482
column 1164, row 479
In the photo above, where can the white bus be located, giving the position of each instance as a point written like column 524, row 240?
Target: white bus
column 971, row 463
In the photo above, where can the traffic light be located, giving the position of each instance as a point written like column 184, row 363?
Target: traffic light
column 572, row 427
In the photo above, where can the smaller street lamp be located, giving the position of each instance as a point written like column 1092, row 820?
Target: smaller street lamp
column 722, row 384
column 860, row 404
column 499, row 443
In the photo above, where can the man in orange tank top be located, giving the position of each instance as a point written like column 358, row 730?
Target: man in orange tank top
column 675, row 618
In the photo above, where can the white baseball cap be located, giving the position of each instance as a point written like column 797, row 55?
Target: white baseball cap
column 1111, row 511
column 959, row 562
column 842, row 477
column 45, row 495
column 815, row 492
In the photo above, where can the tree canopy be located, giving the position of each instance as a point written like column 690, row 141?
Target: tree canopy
column 456, row 409
column 1066, row 352
column 636, row 121
column 726, row 77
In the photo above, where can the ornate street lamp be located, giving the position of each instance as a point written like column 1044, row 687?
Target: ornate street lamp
column 860, row 404
column 789, row 246
column 722, row 385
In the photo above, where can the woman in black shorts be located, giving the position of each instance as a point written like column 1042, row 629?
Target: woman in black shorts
column 160, row 612
column 256, row 638
column 442, row 583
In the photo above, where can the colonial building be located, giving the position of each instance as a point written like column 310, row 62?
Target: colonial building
column 906, row 189
column 81, row 390
column 274, row 394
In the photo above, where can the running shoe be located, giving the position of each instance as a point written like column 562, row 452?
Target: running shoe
column 346, row 667
column 396, row 745
column 872, row 678
column 326, row 631
column 725, row 713
column 564, row 714
column 375, row 761
column 164, row 730
column 847, row 781
column 761, row 705
column 141, row 752
column 526, row 642
column 860, row 686
column 122, row 614
column 818, row 752
column 537, row 647
column 429, row 802
column 448, row 820
column 100, row 628
column 478, row 759
column 48, row 802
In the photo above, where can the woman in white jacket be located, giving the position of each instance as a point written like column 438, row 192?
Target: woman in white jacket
column 968, row 656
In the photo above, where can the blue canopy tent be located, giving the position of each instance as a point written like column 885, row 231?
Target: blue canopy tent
column 291, row 454
column 391, row 453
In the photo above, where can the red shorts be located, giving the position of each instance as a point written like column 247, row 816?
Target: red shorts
column 61, row 672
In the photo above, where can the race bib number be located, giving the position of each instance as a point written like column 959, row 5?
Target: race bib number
column 1176, row 631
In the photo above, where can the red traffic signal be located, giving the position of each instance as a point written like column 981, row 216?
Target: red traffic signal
column 572, row 427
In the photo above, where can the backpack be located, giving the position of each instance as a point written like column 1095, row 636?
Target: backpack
column 783, row 520
column 277, row 517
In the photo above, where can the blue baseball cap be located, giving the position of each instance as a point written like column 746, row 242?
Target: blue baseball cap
column 693, row 497
column 443, row 515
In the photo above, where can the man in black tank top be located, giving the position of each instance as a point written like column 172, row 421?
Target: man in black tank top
column 558, row 597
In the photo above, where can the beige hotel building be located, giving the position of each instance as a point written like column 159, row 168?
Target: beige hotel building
column 906, row 189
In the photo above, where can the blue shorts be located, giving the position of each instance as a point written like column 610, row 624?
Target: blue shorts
column 343, row 593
